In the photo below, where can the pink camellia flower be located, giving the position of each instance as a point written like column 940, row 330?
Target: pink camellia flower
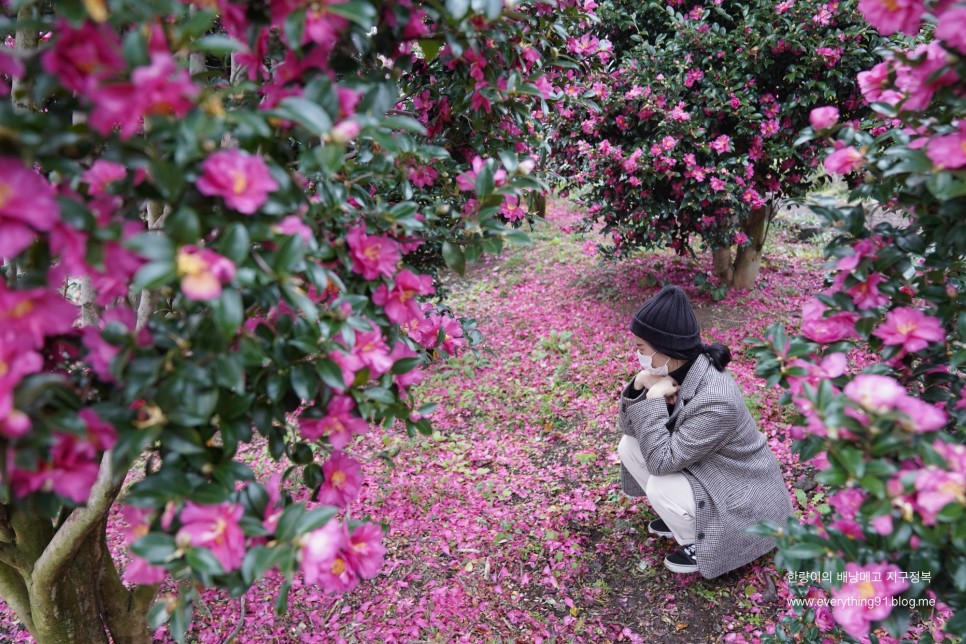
column 119, row 266
column 101, row 353
column 873, row 82
column 28, row 316
column 101, row 174
column 826, row 330
column 372, row 255
column 273, row 509
column 948, row 151
column 163, row 87
column 928, row 72
column 70, row 472
column 366, row 552
column 426, row 330
column 293, row 225
column 241, row 179
column 400, row 302
column 935, row 489
column 345, row 131
column 81, row 58
column 875, row 393
column 322, row 26
column 27, row 205
column 336, row 561
column 882, row 524
column 214, row 527
column 16, row 362
column 116, row 105
column 203, row 272
column 847, row 501
column 324, row 561
column 953, row 453
column 890, row 16
column 832, row 366
column 467, row 180
column 100, row 433
column 911, row 329
column 370, row 351
column 850, row 528
column 825, row 117
column 338, row 425
column 922, row 416
column 343, row 478
column 423, row 176
column 721, row 144
column 866, row 596
column 410, row 378
column 139, row 571
column 951, row 28
column 866, row 295
column 844, row 161
column 817, row 601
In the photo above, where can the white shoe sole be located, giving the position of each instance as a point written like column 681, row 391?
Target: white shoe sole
column 667, row 535
column 679, row 568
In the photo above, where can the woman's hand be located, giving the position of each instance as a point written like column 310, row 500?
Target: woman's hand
column 665, row 387
column 644, row 380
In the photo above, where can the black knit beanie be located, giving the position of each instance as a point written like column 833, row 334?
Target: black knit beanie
column 667, row 323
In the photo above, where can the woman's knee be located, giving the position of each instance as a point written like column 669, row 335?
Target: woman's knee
column 661, row 487
column 625, row 450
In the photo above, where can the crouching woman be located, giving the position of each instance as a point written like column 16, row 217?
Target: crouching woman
column 691, row 446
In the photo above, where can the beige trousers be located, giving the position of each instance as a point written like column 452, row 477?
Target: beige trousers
column 670, row 496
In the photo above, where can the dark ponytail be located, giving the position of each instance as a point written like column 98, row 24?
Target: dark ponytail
column 719, row 354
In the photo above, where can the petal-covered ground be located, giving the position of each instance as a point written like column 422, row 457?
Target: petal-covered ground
column 508, row 524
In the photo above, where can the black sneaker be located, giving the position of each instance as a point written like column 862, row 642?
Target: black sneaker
column 658, row 527
column 682, row 560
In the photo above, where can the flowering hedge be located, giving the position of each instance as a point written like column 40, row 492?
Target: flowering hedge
column 877, row 370
column 689, row 139
column 244, row 203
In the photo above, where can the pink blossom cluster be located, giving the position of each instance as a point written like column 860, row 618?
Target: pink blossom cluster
column 203, row 272
column 866, row 596
column 240, row 178
column 926, row 491
column 73, row 464
column 337, row 560
column 87, row 60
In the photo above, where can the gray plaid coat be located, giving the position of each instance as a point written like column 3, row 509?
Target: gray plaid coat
column 735, row 478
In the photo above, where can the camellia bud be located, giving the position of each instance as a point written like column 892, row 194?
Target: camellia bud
column 442, row 209
column 526, row 166
column 344, row 132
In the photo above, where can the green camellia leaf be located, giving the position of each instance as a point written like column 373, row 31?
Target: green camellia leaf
column 358, row 11
column 203, row 561
column 454, row 258
column 234, row 242
column 457, row 8
column 154, row 274
column 155, row 547
column 217, row 45
column 309, row 115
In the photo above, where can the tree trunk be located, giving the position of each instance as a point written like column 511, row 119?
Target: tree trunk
column 26, row 40
column 62, row 582
column 721, row 261
column 748, row 258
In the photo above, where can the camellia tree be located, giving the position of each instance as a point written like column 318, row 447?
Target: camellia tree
column 690, row 136
column 877, row 368
column 218, row 223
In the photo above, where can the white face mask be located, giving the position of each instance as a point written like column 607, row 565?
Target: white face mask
column 647, row 364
